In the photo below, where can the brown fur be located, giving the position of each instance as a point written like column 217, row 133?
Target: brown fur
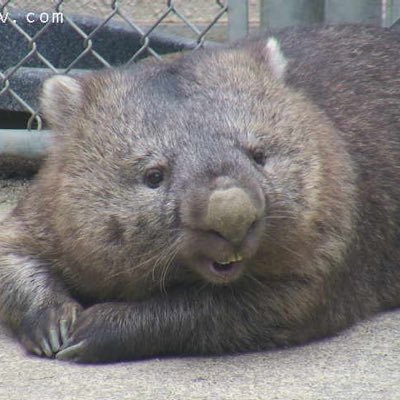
column 102, row 263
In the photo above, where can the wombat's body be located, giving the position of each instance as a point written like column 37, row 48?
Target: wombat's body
column 229, row 201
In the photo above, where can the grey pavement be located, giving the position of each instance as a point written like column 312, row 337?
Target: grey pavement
column 361, row 363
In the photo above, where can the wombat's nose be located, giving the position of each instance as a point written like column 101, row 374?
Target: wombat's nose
column 230, row 213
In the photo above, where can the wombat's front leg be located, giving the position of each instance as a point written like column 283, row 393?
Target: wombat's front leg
column 186, row 322
column 34, row 303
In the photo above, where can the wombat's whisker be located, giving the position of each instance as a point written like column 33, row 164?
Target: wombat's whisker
column 148, row 258
column 278, row 243
column 255, row 280
column 161, row 260
column 141, row 262
column 166, row 258
column 269, row 217
column 166, row 269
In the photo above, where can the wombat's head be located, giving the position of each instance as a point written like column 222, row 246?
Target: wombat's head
column 207, row 167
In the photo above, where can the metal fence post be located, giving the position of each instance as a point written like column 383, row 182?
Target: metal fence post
column 341, row 11
column 278, row 13
column 24, row 143
column 392, row 13
column 238, row 19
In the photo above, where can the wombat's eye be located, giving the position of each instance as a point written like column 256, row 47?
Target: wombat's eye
column 153, row 178
column 258, row 156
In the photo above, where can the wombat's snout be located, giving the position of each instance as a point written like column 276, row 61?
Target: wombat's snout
column 222, row 228
column 230, row 213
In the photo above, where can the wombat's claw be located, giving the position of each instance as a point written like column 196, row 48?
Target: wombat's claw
column 43, row 347
column 56, row 337
column 71, row 353
column 64, row 330
column 50, row 329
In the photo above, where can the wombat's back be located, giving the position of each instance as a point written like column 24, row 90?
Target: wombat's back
column 349, row 71
column 352, row 73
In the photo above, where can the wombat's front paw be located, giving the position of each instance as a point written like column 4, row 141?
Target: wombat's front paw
column 45, row 331
column 96, row 337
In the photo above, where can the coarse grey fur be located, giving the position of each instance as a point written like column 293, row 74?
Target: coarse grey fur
column 230, row 200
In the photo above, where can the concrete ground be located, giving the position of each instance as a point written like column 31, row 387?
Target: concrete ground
column 362, row 363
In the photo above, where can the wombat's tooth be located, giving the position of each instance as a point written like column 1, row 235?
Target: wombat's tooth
column 238, row 258
column 235, row 258
column 223, row 262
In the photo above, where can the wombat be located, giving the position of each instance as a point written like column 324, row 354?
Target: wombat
column 231, row 200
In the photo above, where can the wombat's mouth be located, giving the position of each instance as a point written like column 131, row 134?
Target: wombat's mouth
column 223, row 272
column 223, row 267
column 217, row 272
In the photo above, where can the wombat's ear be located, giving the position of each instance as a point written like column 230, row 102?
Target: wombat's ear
column 275, row 58
column 61, row 98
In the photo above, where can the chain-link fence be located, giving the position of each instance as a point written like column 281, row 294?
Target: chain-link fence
column 43, row 37
column 35, row 44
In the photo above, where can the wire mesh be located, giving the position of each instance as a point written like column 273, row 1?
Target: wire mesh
column 33, row 28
